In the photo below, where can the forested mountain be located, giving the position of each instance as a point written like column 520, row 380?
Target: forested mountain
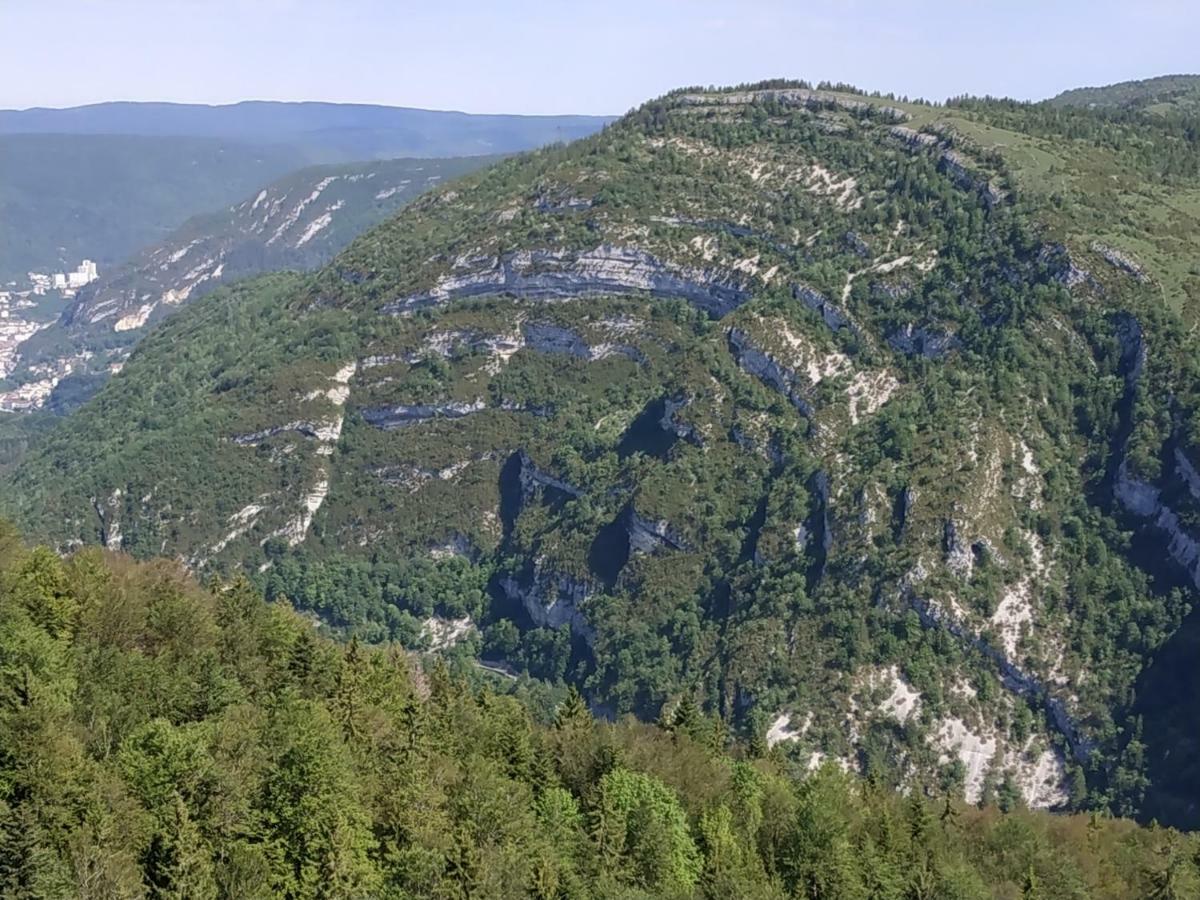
column 326, row 132
column 864, row 425
column 64, row 198
column 296, row 223
column 160, row 740
column 104, row 181
column 1166, row 94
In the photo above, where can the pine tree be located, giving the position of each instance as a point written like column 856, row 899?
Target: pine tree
column 183, row 868
column 572, row 712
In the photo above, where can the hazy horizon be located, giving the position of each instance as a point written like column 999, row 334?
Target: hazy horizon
column 535, row 57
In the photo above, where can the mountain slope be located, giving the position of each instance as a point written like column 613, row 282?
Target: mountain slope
column 800, row 404
column 64, row 198
column 103, row 181
column 298, row 222
column 1164, row 94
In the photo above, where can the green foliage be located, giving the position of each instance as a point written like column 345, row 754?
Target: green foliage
column 164, row 741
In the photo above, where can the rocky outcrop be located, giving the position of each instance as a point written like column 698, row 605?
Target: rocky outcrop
column 951, row 162
column 553, row 600
column 533, row 479
column 914, row 140
column 856, row 244
column 547, row 338
column 562, row 274
column 562, row 203
column 648, row 535
column 833, row 316
column 958, row 554
column 316, row 430
column 1120, row 260
column 1063, row 268
column 803, row 97
column 403, row 415
column 1014, row 678
column 958, row 168
column 757, row 362
column 818, row 527
column 1141, row 498
column 109, row 514
column 670, row 421
column 927, row 342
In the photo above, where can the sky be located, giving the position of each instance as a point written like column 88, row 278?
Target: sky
column 573, row 56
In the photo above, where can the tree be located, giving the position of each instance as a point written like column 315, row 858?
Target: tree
column 639, row 825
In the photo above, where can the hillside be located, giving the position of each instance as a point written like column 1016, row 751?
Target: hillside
column 157, row 739
column 104, row 181
column 816, row 409
column 1166, row 94
column 102, row 197
column 297, row 222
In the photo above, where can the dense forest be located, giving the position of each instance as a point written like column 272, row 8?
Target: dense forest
column 159, row 739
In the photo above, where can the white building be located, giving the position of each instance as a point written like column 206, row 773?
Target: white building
column 84, row 274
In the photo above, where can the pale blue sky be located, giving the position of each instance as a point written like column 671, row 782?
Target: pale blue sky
column 572, row 56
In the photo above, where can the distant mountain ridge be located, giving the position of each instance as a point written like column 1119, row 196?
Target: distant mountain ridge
column 1161, row 94
column 297, row 223
column 105, row 180
column 329, row 132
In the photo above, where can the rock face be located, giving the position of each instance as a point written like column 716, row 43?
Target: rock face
column 913, row 341
column 670, row 422
column 830, row 314
column 560, row 274
column 648, row 536
column 553, row 600
column 1015, row 679
column 1140, row 497
column 403, row 415
column 810, row 99
column 533, row 479
column 950, row 161
column 1065, row 270
column 755, row 361
column 1120, row 260
column 546, row 338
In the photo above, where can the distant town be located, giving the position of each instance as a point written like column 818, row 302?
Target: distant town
column 20, row 320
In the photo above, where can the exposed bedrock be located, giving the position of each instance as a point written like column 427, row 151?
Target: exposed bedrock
column 1121, row 260
column 1063, row 268
column 563, row 274
column 805, row 97
column 926, row 342
column 952, row 163
column 649, row 535
column 958, row 168
column 816, row 533
column 832, row 315
column 522, row 481
column 757, row 362
column 553, row 600
column 547, row 338
column 1012, row 676
column 402, row 415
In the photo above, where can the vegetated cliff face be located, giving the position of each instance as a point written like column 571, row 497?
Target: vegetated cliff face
column 296, row 223
column 749, row 396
